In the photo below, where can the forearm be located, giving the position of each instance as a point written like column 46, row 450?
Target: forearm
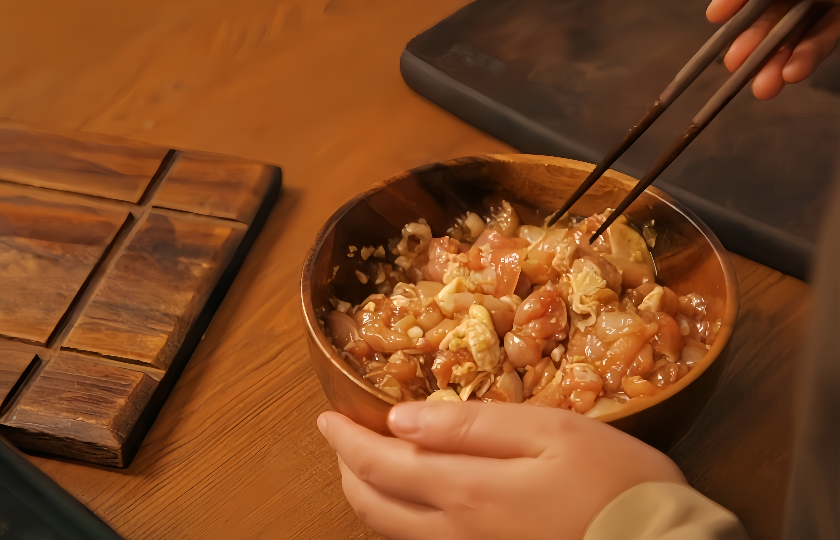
column 660, row 511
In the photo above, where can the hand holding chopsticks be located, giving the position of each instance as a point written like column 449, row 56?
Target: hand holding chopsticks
column 791, row 64
column 789, row 30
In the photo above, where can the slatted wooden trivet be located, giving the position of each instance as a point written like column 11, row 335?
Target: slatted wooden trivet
column 114, row 256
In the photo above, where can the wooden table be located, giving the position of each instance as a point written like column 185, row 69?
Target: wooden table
column 313, row 85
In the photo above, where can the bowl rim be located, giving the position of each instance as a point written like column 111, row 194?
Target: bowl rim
column 634, row 406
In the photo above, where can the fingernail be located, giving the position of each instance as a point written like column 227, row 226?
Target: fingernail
column 405, row 418
column 322, row 425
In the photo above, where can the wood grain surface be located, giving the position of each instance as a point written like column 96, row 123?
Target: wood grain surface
column 157, row 287
column 215, row 186
column 79, row 408
column 314, row 86
column 48, row 248
column 137, row 301
column 739, row 452
column 77, row 162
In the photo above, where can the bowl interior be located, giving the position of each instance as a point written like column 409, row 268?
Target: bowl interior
column 688, row 257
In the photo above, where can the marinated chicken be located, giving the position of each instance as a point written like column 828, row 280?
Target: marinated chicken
column 501, row 311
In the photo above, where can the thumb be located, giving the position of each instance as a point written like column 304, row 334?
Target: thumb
column 493, row 430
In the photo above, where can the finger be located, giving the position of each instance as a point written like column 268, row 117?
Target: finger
column 769, row 82
column 750, row 38
column 814, row 48
column 394, row 519
column 492, row 430
column 720, row 11
column 400, row 469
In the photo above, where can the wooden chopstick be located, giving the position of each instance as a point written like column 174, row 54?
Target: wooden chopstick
column 797, row 21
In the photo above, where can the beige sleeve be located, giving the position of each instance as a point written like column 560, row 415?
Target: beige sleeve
column 661, row 511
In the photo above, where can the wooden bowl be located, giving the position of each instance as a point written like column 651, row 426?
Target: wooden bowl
column 688, row 258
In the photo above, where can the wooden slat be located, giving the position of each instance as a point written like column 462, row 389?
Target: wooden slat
column 12, row 366
column 80, row 409
column 156, row 289
column 215, row 186
column 47, row 251
column 77, row 162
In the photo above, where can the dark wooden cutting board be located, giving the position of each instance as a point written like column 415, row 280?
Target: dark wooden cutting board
column 114, row 255
column 570, row 77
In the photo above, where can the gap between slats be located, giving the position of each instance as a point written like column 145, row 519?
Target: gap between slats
column 122, row 239
column 135, row 219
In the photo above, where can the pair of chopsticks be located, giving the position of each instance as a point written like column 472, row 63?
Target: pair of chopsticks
column 792, row 27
